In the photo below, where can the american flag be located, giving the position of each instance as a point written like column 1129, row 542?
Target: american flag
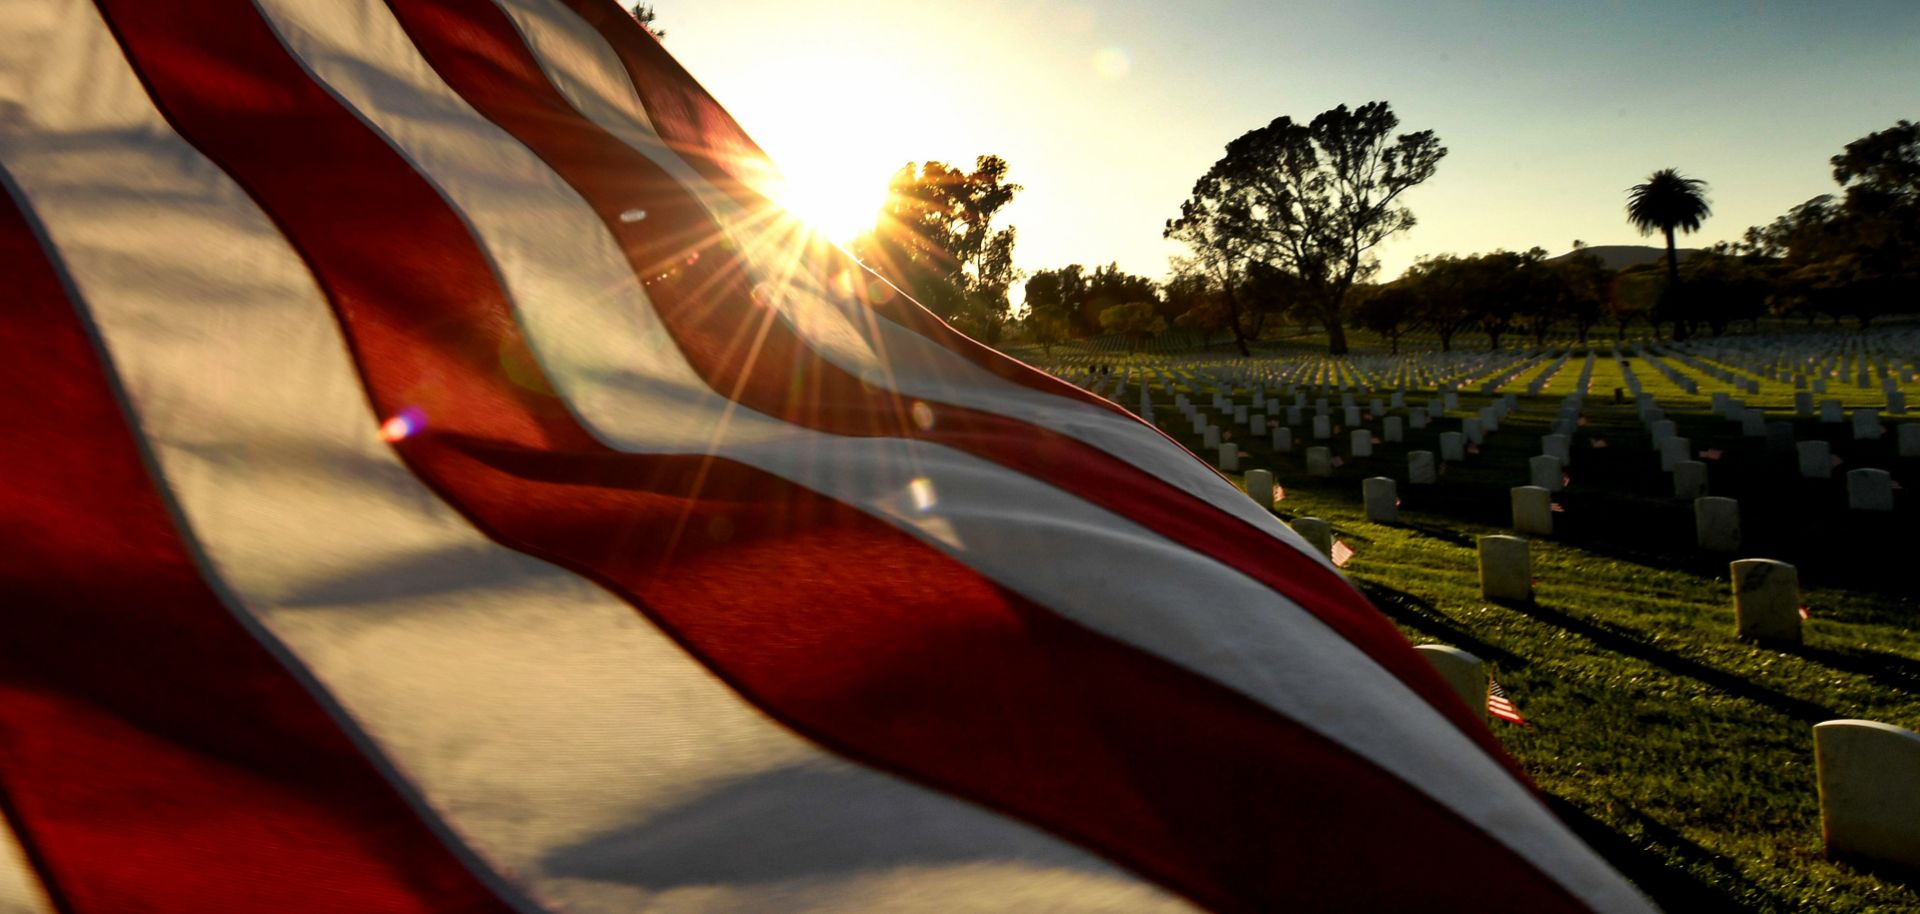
column 1342, row 553
column 455, row 487
column 1712, row 453
column 1499, row 705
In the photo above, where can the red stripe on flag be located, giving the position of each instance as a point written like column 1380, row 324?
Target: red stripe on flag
column 153, row 755
column 476, row 49
column 888, row 666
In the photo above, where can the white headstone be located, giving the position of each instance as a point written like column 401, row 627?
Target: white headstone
column 1361, row 442
column 1866, row 425
column 1382, row 499
column 1283, row 440
column 1319, row 461
column 1662, row 429
column 1766, row 600
column 1506, row 568
column 1532, row 510
column 1317, row 533
column 1869, row 775
column 1869, row 490
column 1689, row 479
column 1557, row 445
column 1420, row 470
column 1908, row 439
column 1352, row 414
column 1816, row 459
column 1830, row 411
column 1393, row 430
column 1674, row 450
column 1896, row 403
column 1260, row 487
column 1417, row 417
column 1473, row 430
column 1453, row 446
column 1716, row 523
column 1544, row 471
column 1803, row 404
column 1322, row 428
column 1230, row 457
column 1462, row 671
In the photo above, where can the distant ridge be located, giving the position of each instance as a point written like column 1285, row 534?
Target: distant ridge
column 1621, row 256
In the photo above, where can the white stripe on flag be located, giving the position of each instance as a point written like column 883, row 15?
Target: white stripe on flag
column 1126, row 582
column 20, row 889
column 541, row 718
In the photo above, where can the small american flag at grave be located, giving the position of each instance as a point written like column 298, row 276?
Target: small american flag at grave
column 1557, row 508
column 1499, row 705
column 1712, row 453
column 1342, row 553
column 1599, row 442
column 1804, row 614
column 1338, row 461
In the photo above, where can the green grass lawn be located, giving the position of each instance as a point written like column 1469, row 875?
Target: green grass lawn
column 1681, row 753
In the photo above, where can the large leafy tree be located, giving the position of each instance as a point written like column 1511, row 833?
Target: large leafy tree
column 936, row 237
column 1311, row 200
column 1668, row 202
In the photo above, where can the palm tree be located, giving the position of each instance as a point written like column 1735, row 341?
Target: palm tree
column 1666, row 202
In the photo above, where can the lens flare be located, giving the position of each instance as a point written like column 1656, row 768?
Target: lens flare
column 633, row 215
column 922, row 416
column 921, row 490
column 403, row 424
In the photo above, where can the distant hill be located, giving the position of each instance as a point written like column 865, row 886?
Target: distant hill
column 1621, row 256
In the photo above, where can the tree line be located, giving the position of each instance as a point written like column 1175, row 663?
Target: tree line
column 1281, row 228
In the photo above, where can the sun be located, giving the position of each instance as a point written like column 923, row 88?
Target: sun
column 837, row 203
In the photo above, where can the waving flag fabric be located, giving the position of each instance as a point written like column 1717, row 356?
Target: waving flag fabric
column 438, row 480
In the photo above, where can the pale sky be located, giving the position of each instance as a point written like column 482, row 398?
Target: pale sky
column 1107, row 110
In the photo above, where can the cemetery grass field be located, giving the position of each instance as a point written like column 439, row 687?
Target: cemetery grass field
column 1682, row 754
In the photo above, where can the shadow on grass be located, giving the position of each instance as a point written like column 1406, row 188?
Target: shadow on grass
column 1633, row 644
column 1890, row 670
column 1670, row 886
column 1420, row 615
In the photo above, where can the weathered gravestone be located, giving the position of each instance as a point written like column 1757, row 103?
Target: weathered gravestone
column 1260, row 487
column 1420, row 469
column 1382, row 499
column 1532, row 510
column 1319, row 461
column 1545, row 471
column 1318, row 533
column 1417, row 417
column 1462, row 671
column 1230, row 457
column 1453, row 446
column 1766, row 600
column 1869, row 490
column 1506, row 568
column 1473, row 430
column 1689, row 479
column 1283, row 440
column 1210, row 437
column 1869, row 775
column 1322, row 428
column 1394, row 430
column 1360, row 443
column 1830, row 412
column 1716, row 523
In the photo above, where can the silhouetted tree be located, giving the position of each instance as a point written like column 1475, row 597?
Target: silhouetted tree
column 1137, row 322
column 1667, row 202
column 644, row 13
column 1386, row 310
column 936, row 238
column 1311, row 200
